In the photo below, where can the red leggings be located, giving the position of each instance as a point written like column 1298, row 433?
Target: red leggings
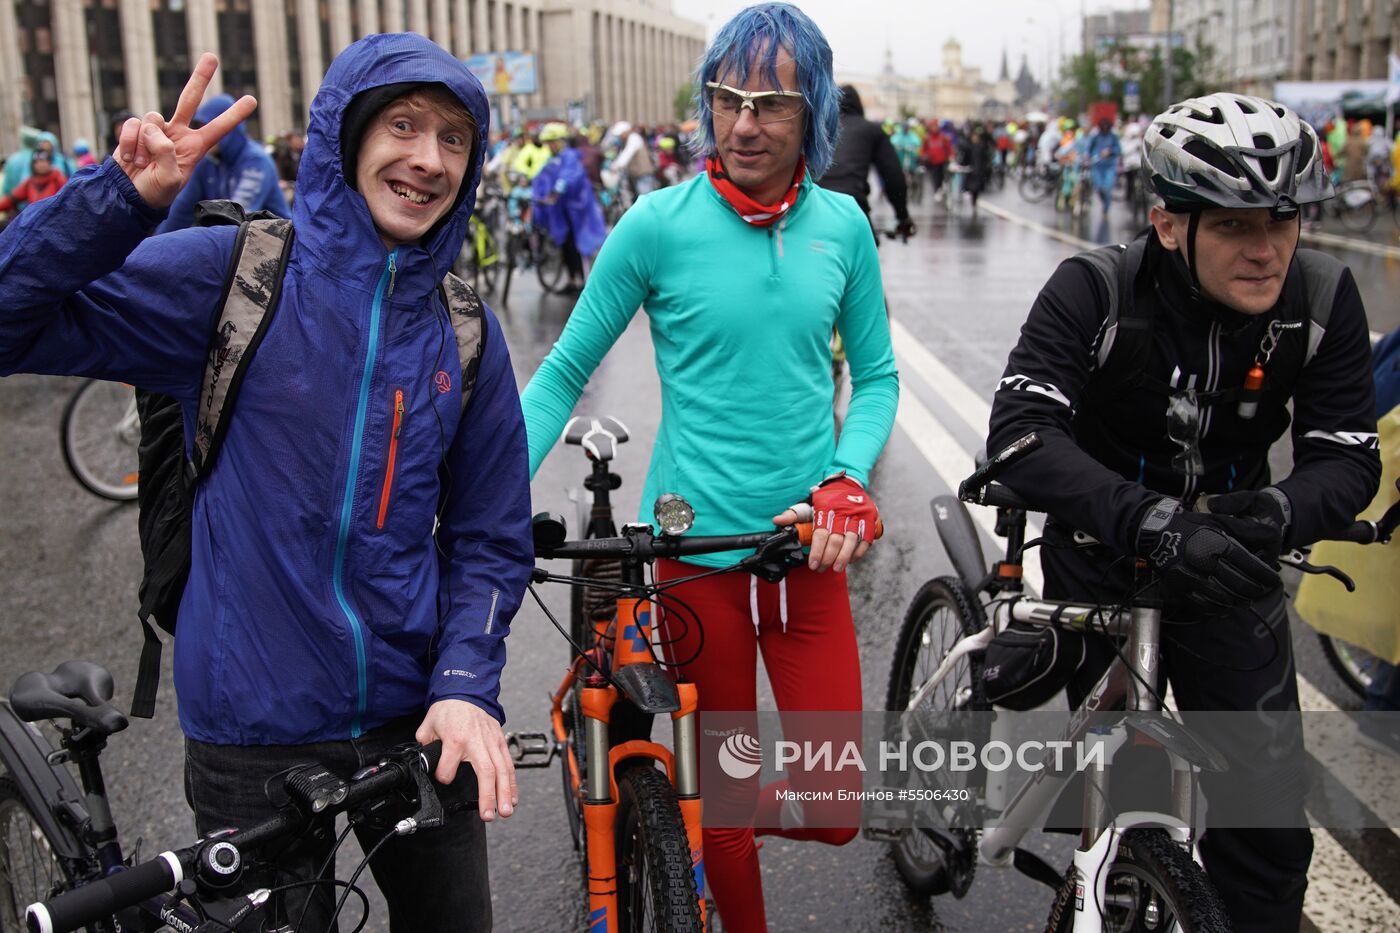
column 813, row 665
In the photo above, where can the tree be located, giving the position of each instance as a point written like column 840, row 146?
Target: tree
column 684, row 103
column 1082, row 75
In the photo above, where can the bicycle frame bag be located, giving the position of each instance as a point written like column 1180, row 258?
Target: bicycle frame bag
column 1026, row 665
column 168, row 477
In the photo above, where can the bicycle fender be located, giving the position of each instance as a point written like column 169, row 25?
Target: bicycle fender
column 1177, row 739
column 648, row 687
column 960, row 540
column 24, row 753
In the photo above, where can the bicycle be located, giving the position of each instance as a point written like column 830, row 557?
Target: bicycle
column 1038, row 182
column 99, row 433
column 914, row 183
column 1139, row 867
column 479, row 261
column 62, row 867
column 527, row 246
column 633, row 805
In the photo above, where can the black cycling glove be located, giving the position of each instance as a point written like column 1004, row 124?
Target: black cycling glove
column 1205, row 560
column 1266, row 510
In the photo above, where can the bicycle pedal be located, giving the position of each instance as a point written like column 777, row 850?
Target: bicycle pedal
column 531, row 749
column 884, row 833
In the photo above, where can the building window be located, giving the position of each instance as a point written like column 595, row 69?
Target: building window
column 39, row 103
column 172, row 38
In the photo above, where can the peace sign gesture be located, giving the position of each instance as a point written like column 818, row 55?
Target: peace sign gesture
column 159, row 156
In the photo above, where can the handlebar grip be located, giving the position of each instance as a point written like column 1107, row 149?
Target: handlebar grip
column 1359, row 533
column 106, row 896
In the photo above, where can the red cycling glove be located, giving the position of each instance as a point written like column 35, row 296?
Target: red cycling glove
column 841, row 506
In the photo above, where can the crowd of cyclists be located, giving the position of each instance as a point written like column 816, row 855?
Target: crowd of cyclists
column 744, row 265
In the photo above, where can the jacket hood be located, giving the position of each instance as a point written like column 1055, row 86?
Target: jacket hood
column 850, row 101
column 331, row 219
column 233, row 143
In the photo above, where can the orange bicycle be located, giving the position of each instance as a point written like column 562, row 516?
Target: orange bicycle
column 634, row 805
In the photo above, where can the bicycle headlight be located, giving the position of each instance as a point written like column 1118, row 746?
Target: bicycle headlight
column 674, row 516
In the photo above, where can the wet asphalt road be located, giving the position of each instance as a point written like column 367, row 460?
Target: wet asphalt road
column 960, row 290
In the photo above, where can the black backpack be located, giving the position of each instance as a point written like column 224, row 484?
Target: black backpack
column 1124, row 343
column 168, row 479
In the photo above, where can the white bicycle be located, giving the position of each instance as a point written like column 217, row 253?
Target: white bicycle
column 100, row 432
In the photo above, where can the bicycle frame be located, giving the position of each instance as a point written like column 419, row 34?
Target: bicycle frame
column 630, row 649
column 1123, row 685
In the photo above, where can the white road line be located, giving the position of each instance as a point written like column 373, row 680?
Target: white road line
column 1341, row 896
column 971, row 407
column 953, row 464
column 1328, row 239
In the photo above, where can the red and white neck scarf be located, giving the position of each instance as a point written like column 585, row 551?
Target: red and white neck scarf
column 760, row 215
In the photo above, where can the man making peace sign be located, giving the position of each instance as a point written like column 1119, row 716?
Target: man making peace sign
column 323, row 618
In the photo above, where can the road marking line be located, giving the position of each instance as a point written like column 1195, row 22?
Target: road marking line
column 1341, row 895
column 1328, row 239
column 953, row 464
column 969, row 406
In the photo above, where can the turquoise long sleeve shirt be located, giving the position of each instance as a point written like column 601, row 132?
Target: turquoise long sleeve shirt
column 741, row 320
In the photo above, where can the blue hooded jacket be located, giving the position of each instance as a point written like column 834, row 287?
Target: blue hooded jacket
column 576, row 208
column 240, row 172
column 320, row 604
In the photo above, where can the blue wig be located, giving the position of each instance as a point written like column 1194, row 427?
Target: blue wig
column 774, row 30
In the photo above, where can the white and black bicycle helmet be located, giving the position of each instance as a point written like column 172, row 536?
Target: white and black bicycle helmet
column 1230, row 150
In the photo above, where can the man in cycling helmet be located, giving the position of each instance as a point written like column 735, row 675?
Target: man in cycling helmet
column 1161, row 372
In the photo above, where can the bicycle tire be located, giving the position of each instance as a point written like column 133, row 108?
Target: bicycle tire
column 488, row 259
column 1361, row 218
column 1352, row 664
column 655, row 878
column 573, row 794
column 1152, row 884
column 549, row 264
column 30, row 870
column 919, row 650
column 100, row 434
column 1034, row 187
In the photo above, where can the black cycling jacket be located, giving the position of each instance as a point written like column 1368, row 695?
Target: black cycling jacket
column 1107, row 452
column 863, row 144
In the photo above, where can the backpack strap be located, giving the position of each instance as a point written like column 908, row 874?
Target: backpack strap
column 251, row 289
column 1125, row 339
column 250, row 294
column 468, row 316
column 1321, row 276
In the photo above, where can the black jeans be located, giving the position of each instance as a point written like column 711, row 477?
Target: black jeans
column 432, row 881
column 1241, row 662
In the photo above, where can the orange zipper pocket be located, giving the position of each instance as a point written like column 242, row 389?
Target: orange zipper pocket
column 393, row 456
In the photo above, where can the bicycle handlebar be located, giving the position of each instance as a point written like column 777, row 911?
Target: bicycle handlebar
column 216, row 861
column 643, row 545
column 978, row 488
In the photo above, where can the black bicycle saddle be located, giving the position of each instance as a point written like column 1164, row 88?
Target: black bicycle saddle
column 76, row 690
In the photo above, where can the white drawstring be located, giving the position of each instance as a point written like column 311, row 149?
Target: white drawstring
column 753, row 602
column 782, row 602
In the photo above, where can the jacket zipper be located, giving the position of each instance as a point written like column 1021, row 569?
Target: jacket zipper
column 393, row 456
column 352, row 476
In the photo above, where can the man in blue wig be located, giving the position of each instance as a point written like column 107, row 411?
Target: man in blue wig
column 743, row 272
column 362, row 543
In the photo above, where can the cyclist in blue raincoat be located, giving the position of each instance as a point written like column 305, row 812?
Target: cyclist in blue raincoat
column 565, row 204
column 1104, row 153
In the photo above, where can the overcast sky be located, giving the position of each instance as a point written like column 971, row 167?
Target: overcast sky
column 860, row 30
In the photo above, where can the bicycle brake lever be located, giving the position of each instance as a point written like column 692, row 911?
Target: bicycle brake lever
column 1298, row 559
column 430, row 813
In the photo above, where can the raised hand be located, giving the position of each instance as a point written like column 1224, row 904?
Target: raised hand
column 159, row 155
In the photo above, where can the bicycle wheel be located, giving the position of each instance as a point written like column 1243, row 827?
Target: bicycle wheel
column 100, row 432
column 941, row 614
column 1034, row 186
column 512, row 257
column 573, row 794
column 655, row 880
column 30, row 870
column 488, row 258
column 1355, row 666
column 549, row 263
column 1359, row 217
column 1152, row 884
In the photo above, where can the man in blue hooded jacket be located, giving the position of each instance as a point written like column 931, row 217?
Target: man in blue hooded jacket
column 324, row 618
column 236, row 169
column 565, row 204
